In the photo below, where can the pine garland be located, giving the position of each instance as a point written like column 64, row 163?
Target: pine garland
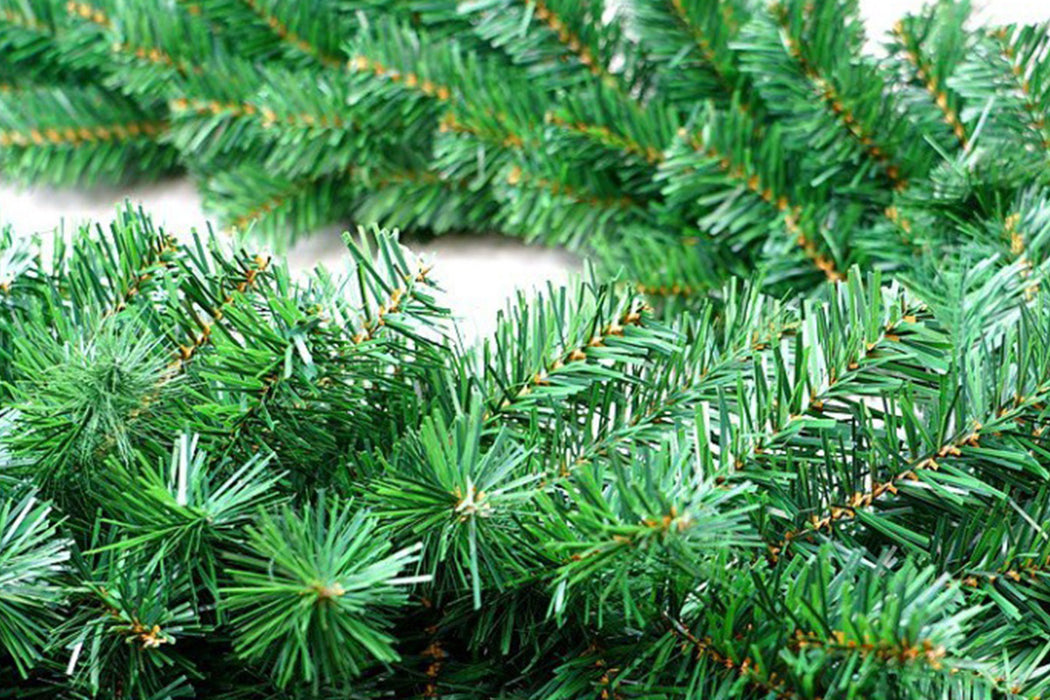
column 549, row 120
column 220, row 481
column 786, row 439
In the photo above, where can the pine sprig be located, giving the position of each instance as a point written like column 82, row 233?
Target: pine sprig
column 32, row 559
column 323, row 584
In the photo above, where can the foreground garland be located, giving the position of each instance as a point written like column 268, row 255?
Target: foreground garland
column 219, row 482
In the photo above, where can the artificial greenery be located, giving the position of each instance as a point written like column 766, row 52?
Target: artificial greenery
column 785, row 439
column 220, row 482
column 682, row 140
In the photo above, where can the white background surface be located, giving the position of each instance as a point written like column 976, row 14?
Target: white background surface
column 478, row 273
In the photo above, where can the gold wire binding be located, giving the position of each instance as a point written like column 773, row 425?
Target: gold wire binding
column 632, row 317
column 89, row 12
column 152, row 54
column 605, row 136
column 517, row 177
column 186, row 353
column 392, row 305
column 154, row 256
column 667, row 290
column 652, row 413
column 75, row 136
column 952, row 448
column 1037, row 120
column 266, row 115
column 274, row 202
column 567, row 37
column 924, row 651
column 449, row 124
column 572, row 42
column 412, row 81
column 747, row 669
column 792, row 213
column 834, row 100
column 925, row 74
column 287, row 35
column 682, row 15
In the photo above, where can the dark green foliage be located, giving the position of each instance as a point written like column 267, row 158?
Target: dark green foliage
column 826, row 480
column 757, row 136
column 31, row 560
column 181, row 510
column 270, row 488
column 77, row 401
column 170, row 396
column 129, row 616
column 310, row 594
